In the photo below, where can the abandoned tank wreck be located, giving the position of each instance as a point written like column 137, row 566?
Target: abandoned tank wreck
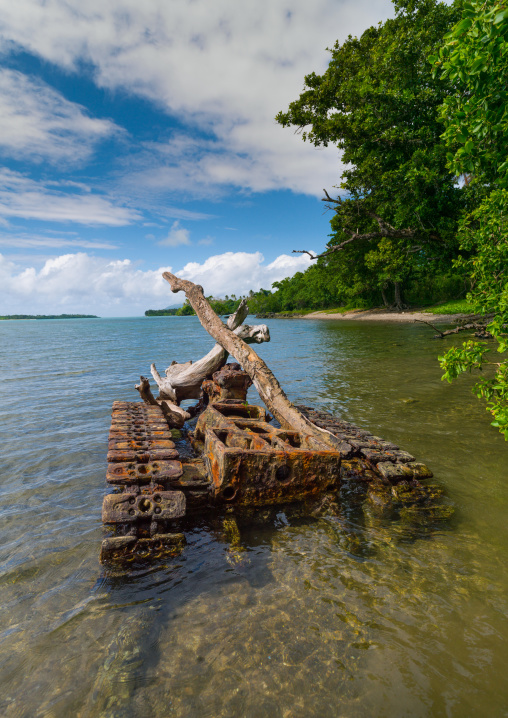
column 224, row 457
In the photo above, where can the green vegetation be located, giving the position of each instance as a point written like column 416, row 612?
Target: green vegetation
column 419, row 108
column 393, row 234
column 455, row 306
column 170, row 312
column 319, row 288
column 475, row 58
column 395, row 222
column 49, row 316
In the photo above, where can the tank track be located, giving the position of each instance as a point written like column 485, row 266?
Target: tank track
column 365, row 455
column 153, row 487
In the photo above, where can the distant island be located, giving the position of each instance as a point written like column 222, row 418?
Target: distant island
column 49, row 316
column 162, row 312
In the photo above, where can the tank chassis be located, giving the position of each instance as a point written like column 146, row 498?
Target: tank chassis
column 237, row 456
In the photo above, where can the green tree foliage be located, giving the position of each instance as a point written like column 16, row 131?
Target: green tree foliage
column 475, row 58
column 378, row 102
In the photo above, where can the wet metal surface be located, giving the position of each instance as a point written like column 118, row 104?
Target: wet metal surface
column 247, row 462
column 252, row 463
column 130, row 508
column 230, row 383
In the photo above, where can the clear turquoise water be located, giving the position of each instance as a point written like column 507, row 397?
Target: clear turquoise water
column 334, row 617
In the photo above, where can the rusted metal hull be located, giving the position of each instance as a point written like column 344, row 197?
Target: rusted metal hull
column 252, row 463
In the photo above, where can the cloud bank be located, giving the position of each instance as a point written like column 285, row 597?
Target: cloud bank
column 59, row 201
column 80, row 283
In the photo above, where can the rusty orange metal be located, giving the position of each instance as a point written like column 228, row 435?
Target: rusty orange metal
column 251, row 462
column 240, row 459
column 142, row 456
column 147, row 445
column 159, row 472
column 230, row 383
column 129, row 507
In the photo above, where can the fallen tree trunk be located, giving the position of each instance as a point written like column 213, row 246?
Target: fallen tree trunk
column 479, row 329
column 262, row 377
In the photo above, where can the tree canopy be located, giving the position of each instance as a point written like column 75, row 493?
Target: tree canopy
column 475, row 114
column 378, row 102
column 418, row 106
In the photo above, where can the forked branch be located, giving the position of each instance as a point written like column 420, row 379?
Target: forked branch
column 183, row 381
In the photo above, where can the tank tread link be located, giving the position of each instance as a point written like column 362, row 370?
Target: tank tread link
column 367, row 456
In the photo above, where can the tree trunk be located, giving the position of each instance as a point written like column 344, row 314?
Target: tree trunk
column 383, row 294
column 263, row 379
column 399, row 305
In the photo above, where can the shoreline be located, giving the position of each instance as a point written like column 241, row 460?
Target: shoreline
column 379, row 315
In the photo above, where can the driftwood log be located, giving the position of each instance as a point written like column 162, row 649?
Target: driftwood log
column 183, row 381
column 262, row 377
column 479, row 328
column 175, row 415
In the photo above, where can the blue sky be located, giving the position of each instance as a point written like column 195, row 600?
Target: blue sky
column 139, row 136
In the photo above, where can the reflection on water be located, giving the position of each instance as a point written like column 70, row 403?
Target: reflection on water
column 342, row 614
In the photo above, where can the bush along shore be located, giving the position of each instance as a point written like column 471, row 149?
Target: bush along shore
column 444, row 312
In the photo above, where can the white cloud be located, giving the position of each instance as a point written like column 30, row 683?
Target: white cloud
column 21, row 196
column 238, row 272
column 79, row 283
column 176, row 236
column 37, row 241
column 224, row 67
column 82, row 284
column 38, row 123
column 204, row 168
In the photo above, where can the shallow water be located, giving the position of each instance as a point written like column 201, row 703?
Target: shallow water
column 340, row 616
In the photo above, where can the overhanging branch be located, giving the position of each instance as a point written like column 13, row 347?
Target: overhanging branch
column 385, row 230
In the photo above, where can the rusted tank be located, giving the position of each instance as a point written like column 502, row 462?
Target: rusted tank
column 235, row 456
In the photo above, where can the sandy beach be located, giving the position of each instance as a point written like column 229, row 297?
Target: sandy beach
column 379, row 315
